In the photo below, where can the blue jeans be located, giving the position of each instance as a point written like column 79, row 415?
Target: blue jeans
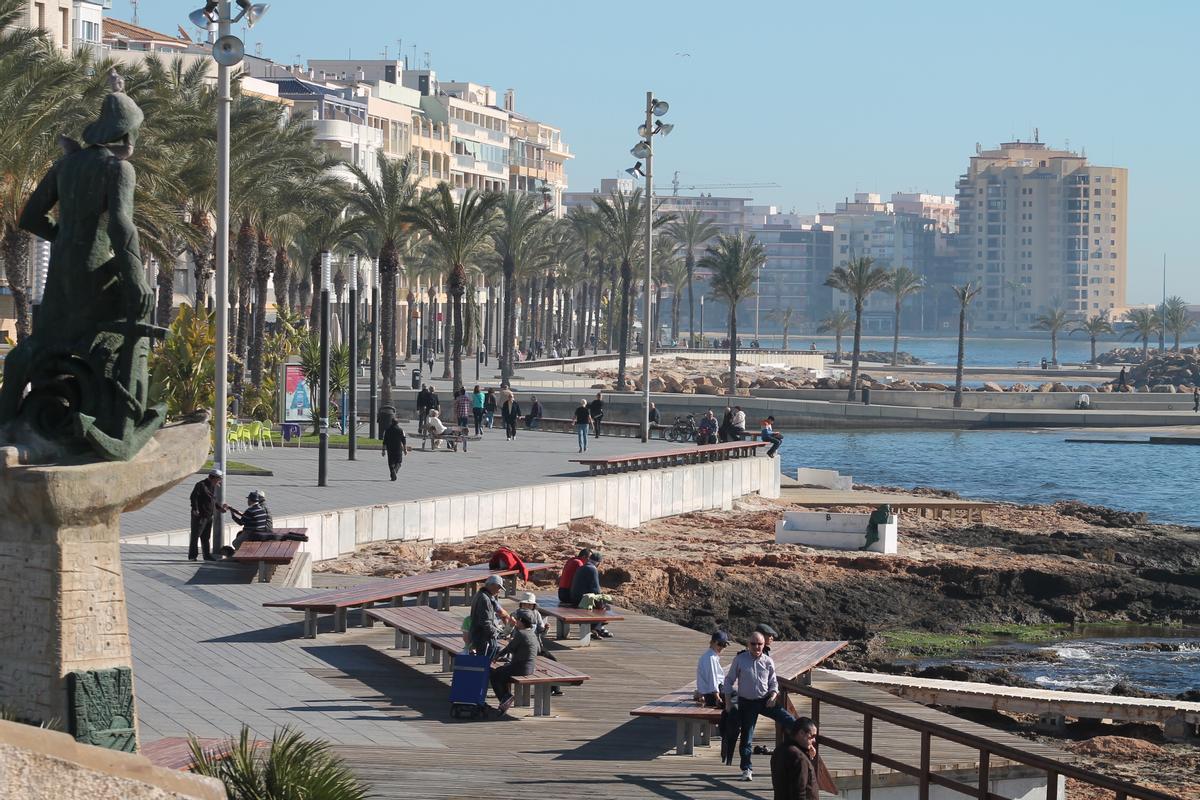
column 581, row 432
column 748, row 713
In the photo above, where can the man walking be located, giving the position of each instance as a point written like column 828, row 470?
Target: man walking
column 596, row 409
column 422, row 407
column 462, row 407
column 204, row 511
column 394, row 445
column 757, row 691
column 477, row 408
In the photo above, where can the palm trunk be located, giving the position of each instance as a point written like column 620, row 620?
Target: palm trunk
column 388, row 269
column 456, row 292
column 732, row 349
column 690, row 261
column 596, row 316
column 262, row 274
column 895, row 334
column 1054, row 347
column 837, row 356
column 247, row 250
column 314, row 274
column 16, row 256
column 1093, row 349
column 283, row 279
column 585, row 308
column 626, row 280
column 958, row 372
column 858, row 312
column 303, row 291
column 508, row 321
column 1145, row 347
column 165, row 280
column 785, row 338
column 657, row 306
column 675, row 317
column 612, row 306
column 202, row 260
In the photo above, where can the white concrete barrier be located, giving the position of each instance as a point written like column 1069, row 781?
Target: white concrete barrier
column 825, row 478
column 835, row 531
column 626, row 499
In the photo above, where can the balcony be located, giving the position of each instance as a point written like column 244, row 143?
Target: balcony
column 469, row 130
column 346, row 133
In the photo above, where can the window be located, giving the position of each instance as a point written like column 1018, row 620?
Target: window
column 66, row 28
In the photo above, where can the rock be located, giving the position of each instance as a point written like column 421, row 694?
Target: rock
column 1163, row 388
column 1119, row 748
column 934, row 387
column 1045, row 387
column 599, row 385
column 1086, row 387
column 658, row 385
column 1059, row 387
column 989, row 386
column 708, row 389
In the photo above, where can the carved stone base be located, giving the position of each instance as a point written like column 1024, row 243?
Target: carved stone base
column 61, row 587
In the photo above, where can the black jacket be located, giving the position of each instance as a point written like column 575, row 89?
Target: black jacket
column 586, row 581
column 204, row 500
column 394, row 441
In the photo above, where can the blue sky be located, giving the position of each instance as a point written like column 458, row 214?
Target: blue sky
column 823, row 98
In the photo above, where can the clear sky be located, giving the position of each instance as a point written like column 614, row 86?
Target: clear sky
column 823, row 98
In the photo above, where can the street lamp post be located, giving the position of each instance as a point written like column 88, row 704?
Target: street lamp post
column 645, row 149
column 702, row 321
column 351, row 410
column 323, row 438
column 374, row 390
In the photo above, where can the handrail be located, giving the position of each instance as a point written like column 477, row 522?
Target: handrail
column 986, row 747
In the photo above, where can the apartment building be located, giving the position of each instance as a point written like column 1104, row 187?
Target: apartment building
column 729, row 214
column 942, row 209
column 340, row 119
column 799, row 259
column 537, row 157
column 1041, row 228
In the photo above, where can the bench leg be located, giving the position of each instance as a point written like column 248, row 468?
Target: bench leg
column 431, row 654
column 264, row 572
column 423, row 599
column 310, row 624
column 510, row 585
column 585, row 633
column 541, row 700
column 444, row 600
column 561, row 630
column 415, row 646
column 339, row 620
column 367, row 620
column 703, row 737
column 683, row 737
column 523, row 695
column 401, row 639
column 397, row 602
column 447, row 661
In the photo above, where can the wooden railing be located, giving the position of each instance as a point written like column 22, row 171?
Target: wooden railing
column 987, row 748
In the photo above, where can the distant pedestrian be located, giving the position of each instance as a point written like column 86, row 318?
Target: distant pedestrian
column 462, row 407
column 738, row 424
column 653, row 414
column 583, row 421
column 435, row 403
column 707, row 429
column 522, row 649
column 710, row 675
column 429, row 361
column 511, row 411
column 477, row 408
column 204, row 510
column 1196, row 398
column 757, row 691
column 487, row 616
column 725, row 431
column 769, row 435
column 489, row 407
column 422, row 407
column 586, row 592
column 1121, row 380
column 535, row 413
column 596, row 408
column 394, row 445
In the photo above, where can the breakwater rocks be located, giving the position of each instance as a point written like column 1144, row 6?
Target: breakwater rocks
column 1168, row 372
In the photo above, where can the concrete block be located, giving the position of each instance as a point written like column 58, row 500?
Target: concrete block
column 395, row 520
column 427, row 526
column 656, row 495
column 441, row 519
column 638, row 485
column 486, row 507
column 706, row 486
column 587, row 499
column 724, row 478
column 330, row 535
column 834, row 531
column 412, row 522
column 576, row 511
column 347, row 538
column 512, row 515
column 690, row 497
column 380, row 524
column 455, row 525
column 772, row 480
column 538, row 509
column 624, row 499
column 471, row 516
column 565, row 495
column 362, row 525
column 612, row 499
column 645, row 485
column 525, row 514
column 677, row 491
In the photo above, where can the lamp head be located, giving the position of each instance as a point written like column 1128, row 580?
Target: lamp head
column 636, row 170
column 640, row 150
column 659, row 107
column 664, row 128
column 252, row 12
column 644, row 131
column 202, row 16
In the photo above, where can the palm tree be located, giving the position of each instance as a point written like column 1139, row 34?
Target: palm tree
column 965, row 294
column 1095, row 327
column 666, row 254
column 784, row 316
column 459, row 233
column 624, row 219
column 516, row 240
column 585, row 225
column 691, row 230
column 859, row 278
column 1143, row 323
column 901, row 282
column 1054, row 321
column 384, row 203
column 675, row 275
column 733, row 262
column 291, row 766
column 1177, row 320
column 836, row 323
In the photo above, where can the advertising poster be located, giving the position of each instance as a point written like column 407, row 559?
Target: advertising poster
column 297, row 405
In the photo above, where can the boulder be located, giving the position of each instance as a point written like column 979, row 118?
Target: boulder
column 1059, row 387
column 657, row 384
column 1046, row 387
column 709, row 389
column 1163, row 388
column 990, row 386
column 934, row 387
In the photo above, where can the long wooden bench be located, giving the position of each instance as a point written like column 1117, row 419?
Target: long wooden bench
column 670, row 458
column 175, row 752
column 453, row 435
column 565, row 616
column 693, row 721
column 438, row 637
column 339, row 602
column 269, row 554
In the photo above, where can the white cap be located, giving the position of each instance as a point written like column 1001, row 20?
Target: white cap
column 215, row 473
column 494, row 580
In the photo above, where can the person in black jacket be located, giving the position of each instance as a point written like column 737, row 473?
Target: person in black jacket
column 394, row 445
column 522, row 648
column 587, row 581
column 204, row 510
column 793, row 764
column 422, row 407
column 596, row 409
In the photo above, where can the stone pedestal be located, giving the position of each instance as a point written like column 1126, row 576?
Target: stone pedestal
column 61, row 590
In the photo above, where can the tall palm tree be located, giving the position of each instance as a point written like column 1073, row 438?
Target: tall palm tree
column 1095, row 327
column 965, row 294
column 733, row 262
column 859, row 278
column 585, row 225
column 516, row 238
column 675, row 275
column 1053, row 321
column 1143, row 323
column 459, row 233
column 666, row 254
column 691, row 230
column 384, row 202
column 623, row 216
column 784, row 316
column 837, row 323
column 901, row 283
column 1177, row 320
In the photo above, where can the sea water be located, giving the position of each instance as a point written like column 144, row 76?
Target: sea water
column 1014, row 466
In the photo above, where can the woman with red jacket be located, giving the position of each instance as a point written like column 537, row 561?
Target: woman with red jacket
column 568, row 574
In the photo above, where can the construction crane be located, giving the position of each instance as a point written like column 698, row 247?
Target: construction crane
column 675, row 185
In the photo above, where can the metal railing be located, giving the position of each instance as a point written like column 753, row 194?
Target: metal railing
column 927, row 731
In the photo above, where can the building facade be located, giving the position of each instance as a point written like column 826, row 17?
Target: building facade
column 1039, row 229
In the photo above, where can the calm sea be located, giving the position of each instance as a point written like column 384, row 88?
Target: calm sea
column 1017, row 466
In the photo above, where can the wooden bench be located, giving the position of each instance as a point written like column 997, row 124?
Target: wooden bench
column 701, row 454
column 561, row 425
column 175, row 752
column 565, row 616
column 438, row 637
column 453, row 435
column 339, row 602
column 693, row 721
column 268, row 554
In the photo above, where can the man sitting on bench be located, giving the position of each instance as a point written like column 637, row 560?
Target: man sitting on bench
column 522, row 649
column 585, row 591
column 436, row 429
column 256, row 524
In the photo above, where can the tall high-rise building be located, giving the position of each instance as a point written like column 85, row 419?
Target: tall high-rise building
column 1041, row 228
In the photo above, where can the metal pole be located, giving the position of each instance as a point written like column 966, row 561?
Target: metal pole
column 221, row 289
column 757, row 302
column 374, row 390
column 649, row 267
column 323, row 446
column 351, row 411
column 701, row 342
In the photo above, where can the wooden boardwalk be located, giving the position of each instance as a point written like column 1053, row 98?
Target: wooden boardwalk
column 591, row 747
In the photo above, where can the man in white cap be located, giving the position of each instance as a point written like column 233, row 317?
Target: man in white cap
column 486, row 615
column 204, row 510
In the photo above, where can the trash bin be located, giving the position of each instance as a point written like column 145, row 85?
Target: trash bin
column 866, row 395
column 384, row 418
column 416, row 379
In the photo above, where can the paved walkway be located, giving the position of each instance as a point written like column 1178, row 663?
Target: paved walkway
column 491, row 463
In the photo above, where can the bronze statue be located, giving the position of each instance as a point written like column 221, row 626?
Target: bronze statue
column 81, row 380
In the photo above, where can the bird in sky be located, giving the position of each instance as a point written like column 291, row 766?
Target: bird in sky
column 684, row 55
